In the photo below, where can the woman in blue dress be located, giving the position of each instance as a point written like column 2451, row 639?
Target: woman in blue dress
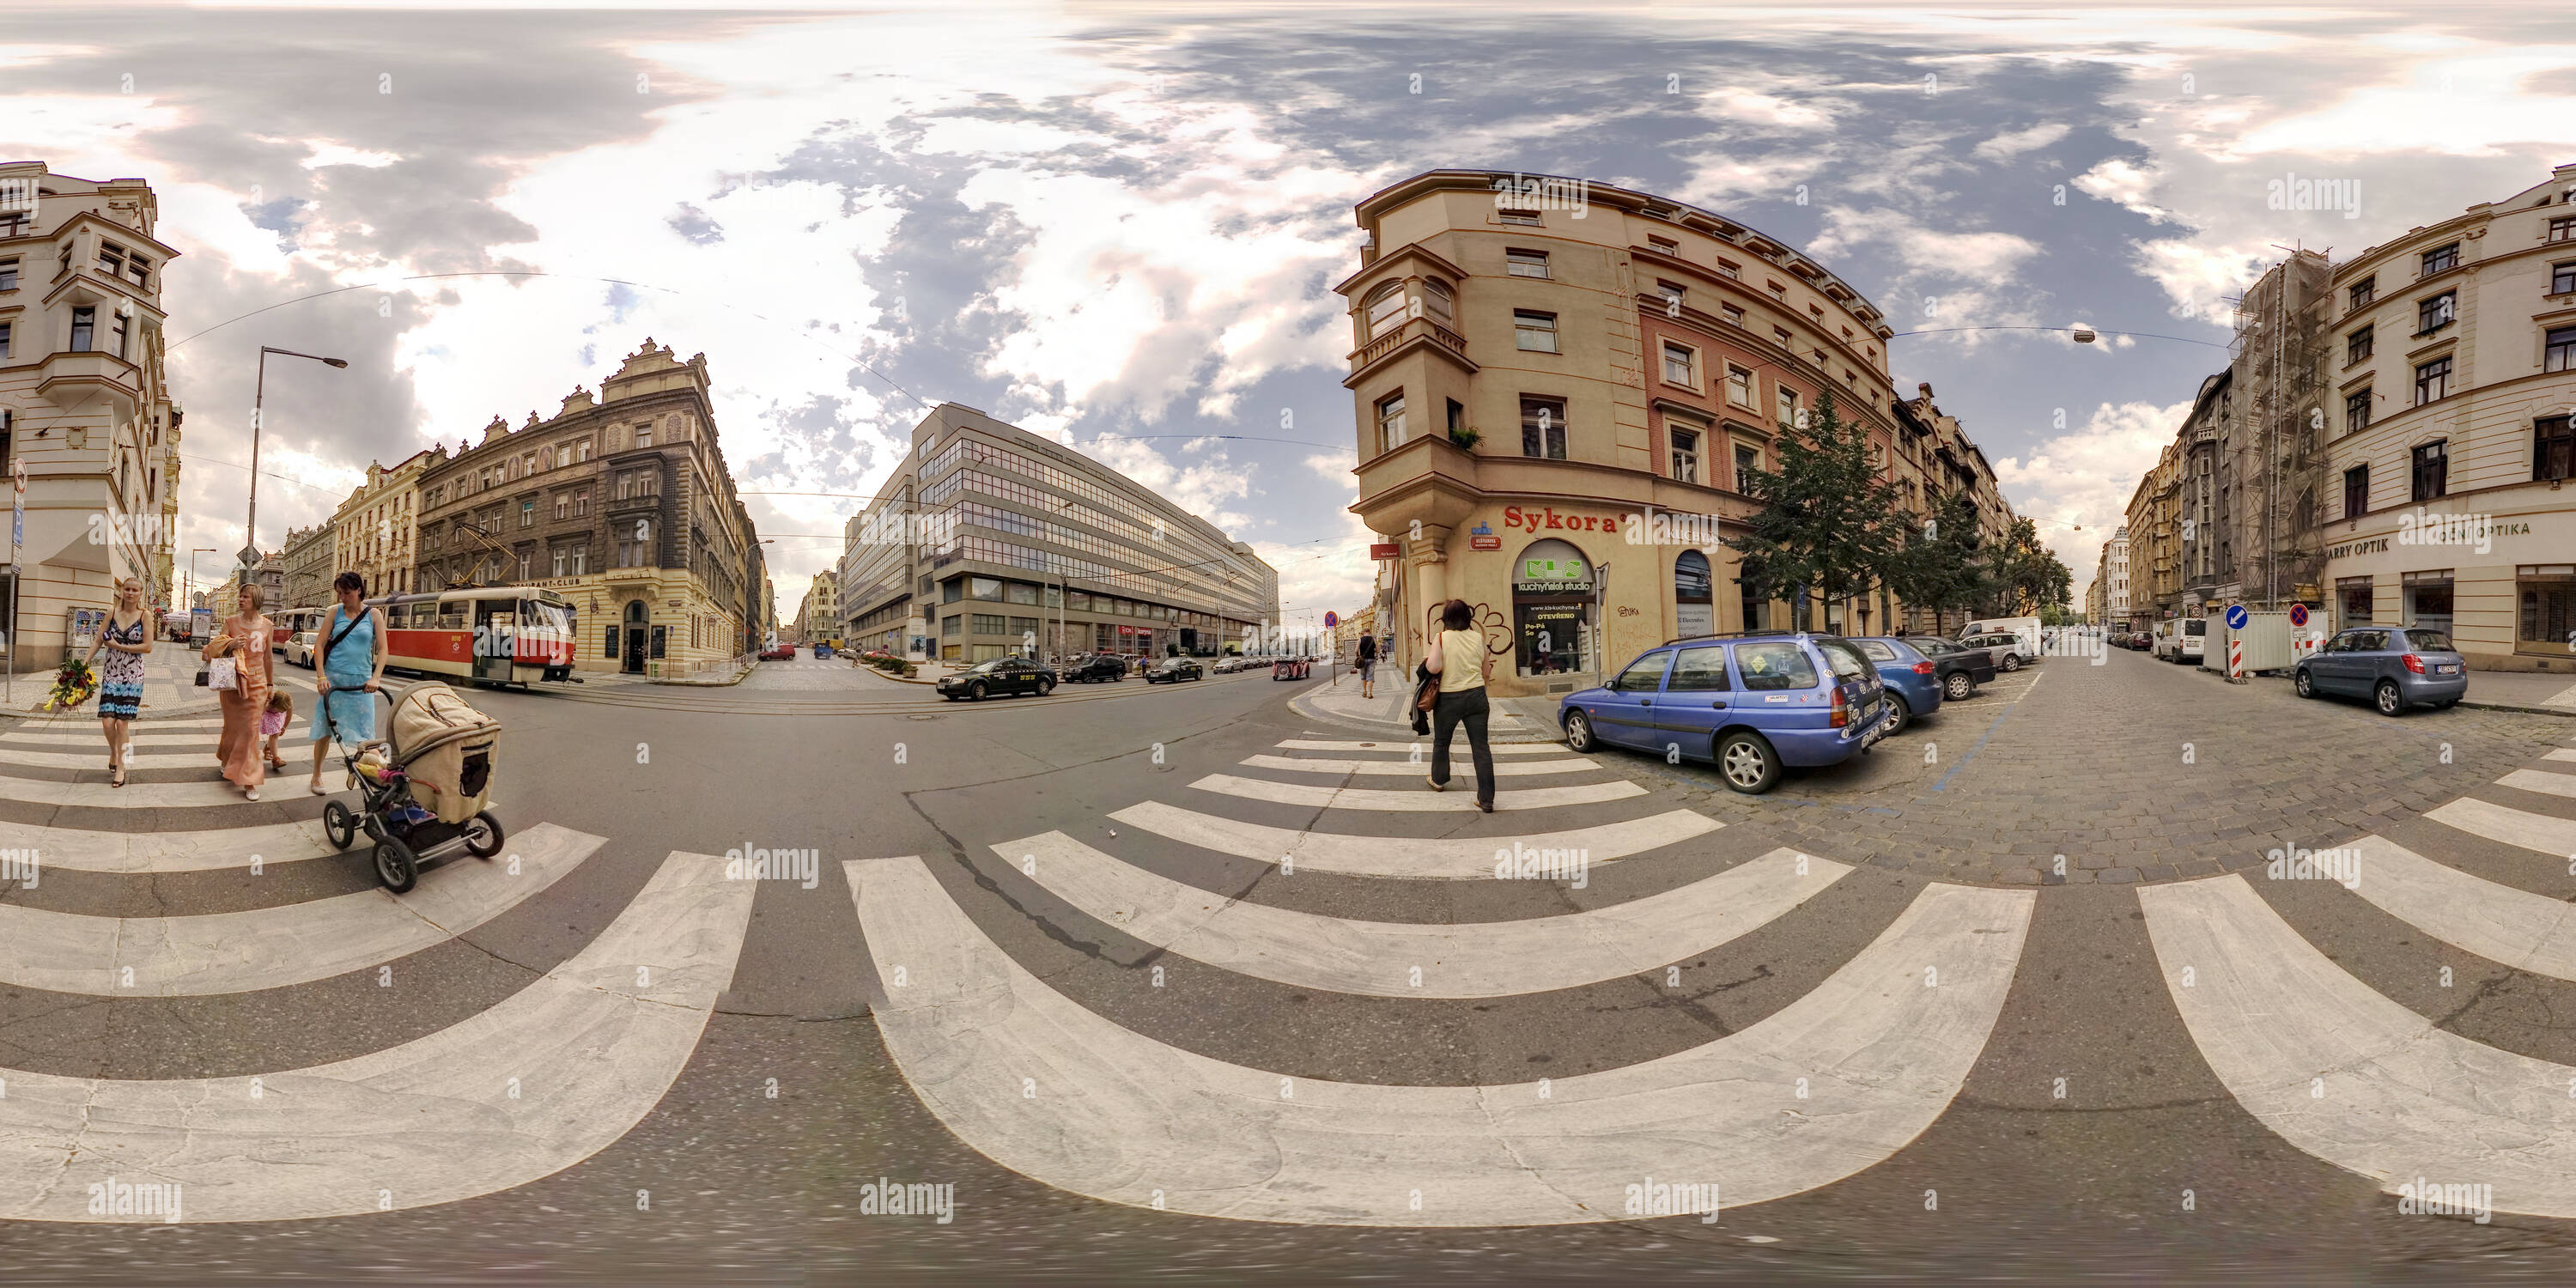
column 125, row 638
column 349, row 664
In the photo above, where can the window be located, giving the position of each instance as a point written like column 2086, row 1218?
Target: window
column 1385, row 309
column 1739, row 386
column 1674, row 294
column 1686, row 455
column 644, row 434
column 2562, row 277
column 2356, row 491
column 84, row 321
column 1788, row 402
column 2433, row 380
column 15, row 223
column 563, row 506
column 1700, row 670
column 2357, row 345
column 1773, row 666
column 1020, row 592
column 1436, row 300
column 1779, row 292
column 2432, row 470
column 1390, row 421
column 2363, row 291
column 1645, row 675
column 1534, row 332
column 1677, row 364
column 4, row 342
column 948, row 627
column 1543, row 428
column 1729, row 268
column 2563, row 228
column 1780, row 336
column 2434, row 312
column 2441, row 260
column 581, row 503
column 527, row 564
column 562, row 558
column 528, row 513
column 1525, row 263
column 9, row 274
column 2558, row 350
column 988, row 624
column 983, row 588
column 2356, row 410
column 1665, row 244
column 580, row 450
column 1748, row 462
column 635, row 543
column 952, row 591
column 111, row 258
column 1525, row 218
column 1733, row 315
column 2553, row 448
column 1457, row 418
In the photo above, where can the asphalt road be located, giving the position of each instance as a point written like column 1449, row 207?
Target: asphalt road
column 2085, row 1103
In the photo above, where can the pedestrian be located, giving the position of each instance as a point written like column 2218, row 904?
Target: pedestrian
column 244, row 638
column 1367, row 663
column 1459, row 658
column 125, row 639
column 348, row 672
column 272, row 722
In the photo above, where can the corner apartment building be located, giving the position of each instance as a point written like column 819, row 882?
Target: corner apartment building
column 375, row 531
column 621, row 503
column 84, row 402
column 2453, row 374
column 1539, row 361
column 819, row 613
column 2107, row 601
column 989, row 540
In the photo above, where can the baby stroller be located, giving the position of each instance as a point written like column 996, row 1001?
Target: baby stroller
column 422, row 795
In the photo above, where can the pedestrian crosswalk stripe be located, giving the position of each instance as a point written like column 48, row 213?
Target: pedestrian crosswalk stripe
column 2546, row 833
column 1398, row 768
column 207, row 850
column 2562, row 753
column 1392, row 959
column 1037, row 1083
column 1424, row 745
column 139, row 735
column 146, row 756
column 550, row 1076
column 1433, row 858
column 2515, row 927
column 2533, row 780
column 243, row 952
column 208, row 791
column 2344, row 1073
column 1460, row 797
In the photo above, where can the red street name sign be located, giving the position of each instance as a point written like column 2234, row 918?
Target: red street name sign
column 1486, row 542
column 1382, row 550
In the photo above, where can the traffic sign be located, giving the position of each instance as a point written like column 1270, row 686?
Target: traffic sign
column 247, row 556
column 2237, row 617
column 2298, row 614
column 1332, row 620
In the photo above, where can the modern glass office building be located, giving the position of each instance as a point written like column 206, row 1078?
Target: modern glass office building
column 990, row 540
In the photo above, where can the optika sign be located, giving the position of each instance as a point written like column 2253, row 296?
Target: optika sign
column 1517, row 191
column 2290, row 192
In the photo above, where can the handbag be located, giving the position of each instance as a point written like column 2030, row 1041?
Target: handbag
column 221, row 673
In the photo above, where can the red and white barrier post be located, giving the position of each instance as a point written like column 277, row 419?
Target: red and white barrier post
column 2235, row 660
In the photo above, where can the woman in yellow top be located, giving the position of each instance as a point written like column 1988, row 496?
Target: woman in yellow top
column 1459, row 658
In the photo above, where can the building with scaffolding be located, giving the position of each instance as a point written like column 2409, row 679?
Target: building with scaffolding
column 2272, row 457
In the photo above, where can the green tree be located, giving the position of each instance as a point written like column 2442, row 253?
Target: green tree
column 2025, row 574
column 1939, row 566
column 1827, row 523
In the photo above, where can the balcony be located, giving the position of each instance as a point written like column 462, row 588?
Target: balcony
column 1419, row 332
column 74, row 379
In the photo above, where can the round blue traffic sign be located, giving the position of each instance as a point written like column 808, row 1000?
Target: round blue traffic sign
column 2237, row 617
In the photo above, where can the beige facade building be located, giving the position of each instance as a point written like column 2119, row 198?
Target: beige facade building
column 309, row 570
column 2107, row 601
column 820, row 613
column 375, row 532
column 1560, row 387
column 84, row 405
column 2453, row 366
column 623, row 504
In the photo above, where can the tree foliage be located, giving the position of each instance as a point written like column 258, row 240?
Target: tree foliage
column 1827, row 522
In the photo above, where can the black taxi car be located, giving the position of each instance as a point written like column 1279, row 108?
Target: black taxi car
column 1000, row 675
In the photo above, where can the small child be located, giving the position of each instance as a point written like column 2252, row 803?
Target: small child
column 272, row 722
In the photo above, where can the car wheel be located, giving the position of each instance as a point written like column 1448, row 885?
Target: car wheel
column 1958, row 687
column 1045, row 687
column 2307, row 687
column 1578, row 733
column 2010, row 664
column 975, row 691
column 1747, row 762
column 2391, row 702
column 1904, row 714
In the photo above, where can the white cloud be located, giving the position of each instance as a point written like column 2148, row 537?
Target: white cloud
column 342, row 154
column 2013, row 143
column 1987, row 257
column 2122, row 184
column 2086, row 476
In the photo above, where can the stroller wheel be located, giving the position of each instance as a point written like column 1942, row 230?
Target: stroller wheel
column 395, row 866
column 483, row 835
column 339, row 824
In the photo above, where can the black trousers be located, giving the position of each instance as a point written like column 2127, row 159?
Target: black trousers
column 1467, row 707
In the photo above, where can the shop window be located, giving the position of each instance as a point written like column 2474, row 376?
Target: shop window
column 1694, row 602
column 1552, row 590
column 2547, row 594
column 2428, row 600
column 2352, row 602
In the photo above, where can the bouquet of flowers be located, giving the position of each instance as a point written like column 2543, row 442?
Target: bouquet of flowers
column 75, row 684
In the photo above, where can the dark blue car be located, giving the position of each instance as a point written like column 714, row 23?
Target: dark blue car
column 1913, row 685
column 1752, row 703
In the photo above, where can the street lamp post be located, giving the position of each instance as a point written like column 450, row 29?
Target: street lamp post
column 258, row 397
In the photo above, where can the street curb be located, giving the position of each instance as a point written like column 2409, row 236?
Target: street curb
column 859, row 665
column 2506, row 706
column 706, row 684
column 1393, row 732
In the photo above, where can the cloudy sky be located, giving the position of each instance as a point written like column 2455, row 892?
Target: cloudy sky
column 1117, row 223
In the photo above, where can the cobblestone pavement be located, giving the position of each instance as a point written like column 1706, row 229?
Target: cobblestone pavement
column 2133, row 771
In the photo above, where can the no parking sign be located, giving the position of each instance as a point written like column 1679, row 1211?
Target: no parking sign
column 2298, row 614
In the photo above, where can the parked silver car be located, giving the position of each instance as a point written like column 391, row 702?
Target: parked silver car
column 2396, row 667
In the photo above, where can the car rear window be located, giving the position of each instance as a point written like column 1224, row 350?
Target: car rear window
column 2196, row 626
column 1877, row 650
column 1846, row 660
column 2429, row 641
column 1698, row 669
column 1774, row 666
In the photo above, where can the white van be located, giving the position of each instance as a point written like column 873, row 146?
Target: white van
column 2026, row 629
column 2182, row 639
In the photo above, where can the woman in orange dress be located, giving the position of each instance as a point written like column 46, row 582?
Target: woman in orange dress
column 249, row 631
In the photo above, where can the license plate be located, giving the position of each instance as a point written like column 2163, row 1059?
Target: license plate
column 2445, row 668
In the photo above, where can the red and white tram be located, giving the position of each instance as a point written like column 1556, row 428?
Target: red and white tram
column 484, row 635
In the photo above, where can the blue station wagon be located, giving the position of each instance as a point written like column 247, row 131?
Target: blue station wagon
column 1753, row 704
